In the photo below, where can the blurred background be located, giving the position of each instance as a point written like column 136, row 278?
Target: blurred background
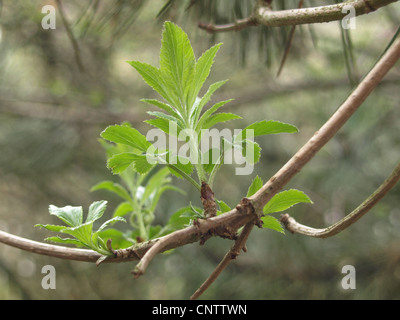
column 59, row 88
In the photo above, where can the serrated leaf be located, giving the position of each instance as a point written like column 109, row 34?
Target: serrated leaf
column 219, row 117
column 152, row 76
column 96, row 210
column 120, row 162
column 271, row 222
column 126, row 135
column 267, row 127
column 51, row 227
column 176, row 60
column 113, row 187
column 82, row 232
column 70, row 215
column 251, row 151
column 110, row 221
column 256, row 185
column 195, row 114
column 162, row 124
column 206, row 115
column 284, row 200
column 58, row 239
column 202, row 70
column 164, row 106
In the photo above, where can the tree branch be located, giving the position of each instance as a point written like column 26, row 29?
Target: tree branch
column 263, row 15
column 329, row 129
column 295, row 227
column 240, row 244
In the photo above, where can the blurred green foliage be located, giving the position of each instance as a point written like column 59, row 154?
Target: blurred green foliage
column 51, row 115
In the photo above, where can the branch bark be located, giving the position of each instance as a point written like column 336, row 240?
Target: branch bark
column 295, row 227
column 263, row 15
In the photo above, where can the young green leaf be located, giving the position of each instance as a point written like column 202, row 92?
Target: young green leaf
column 126, row 135
column 122, row 209
column 223, row 206
column 195, row 113
column 72, row 216
column 256, row 185
column 96, row 210
column 166, row 107
column 58, row 239
column 83, row 232
column 219, row 117
column 113, row 187
column 176, row 62
column 266, row 127
column 271, row 222
column 152, row 76
column 284, row 200
column 202, row 70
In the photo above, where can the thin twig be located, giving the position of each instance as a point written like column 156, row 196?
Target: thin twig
column 236, row 26
column 71, row 36
column 289, row 43
column 240, row 244
column 295, row 227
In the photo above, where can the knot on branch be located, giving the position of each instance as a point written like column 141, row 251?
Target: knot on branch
column 225, row 232
column 245, row 207
column 207, row 198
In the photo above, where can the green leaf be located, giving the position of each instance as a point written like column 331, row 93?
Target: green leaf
column 177, row 220
column 166, row 107
column 195, row 114
column 51, row 227
column 223, row 206
column 162, row 124
column 83, row 233
column 284, row 200
column 255, row 186
column 152, row 76
column 219, row 117
column 72, row 216
column 176, row 60
column 113, row 187
column 110, row 221
column 96, row 210
column 119, row 240
column 202, row 70
column 123, row 209
column 271, row 222
column 120, row 162
column 206, row 115
column 270, row 127
column 126, row 135
column 251, row 151
column 155, row 182
column 58, row 239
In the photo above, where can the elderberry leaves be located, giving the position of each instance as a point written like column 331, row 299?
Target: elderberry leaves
column 82, row 232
